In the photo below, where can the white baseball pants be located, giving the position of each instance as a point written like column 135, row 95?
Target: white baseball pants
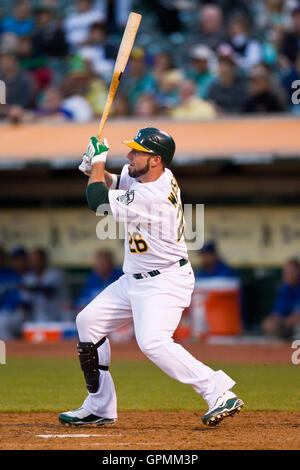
column 155, row 305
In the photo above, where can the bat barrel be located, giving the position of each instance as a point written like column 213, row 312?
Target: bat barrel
column 125, row 48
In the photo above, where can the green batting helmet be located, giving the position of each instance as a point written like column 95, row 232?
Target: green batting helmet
column 153, row 140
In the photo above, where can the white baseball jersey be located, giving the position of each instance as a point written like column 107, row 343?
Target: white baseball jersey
column 154, row 222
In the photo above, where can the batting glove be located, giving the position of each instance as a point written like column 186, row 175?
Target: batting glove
column 97, row 152
column 85, row 166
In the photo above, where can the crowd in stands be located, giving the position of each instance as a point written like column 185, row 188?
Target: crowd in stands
column 192, row 60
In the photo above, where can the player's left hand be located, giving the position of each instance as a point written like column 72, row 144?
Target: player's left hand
column 96, row 151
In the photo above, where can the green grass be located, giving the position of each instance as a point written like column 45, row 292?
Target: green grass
column 47, row 384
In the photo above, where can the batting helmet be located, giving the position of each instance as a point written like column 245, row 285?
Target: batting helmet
column 153, row 140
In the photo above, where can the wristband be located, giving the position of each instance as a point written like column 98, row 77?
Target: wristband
column 114, row 181
column 99, row 158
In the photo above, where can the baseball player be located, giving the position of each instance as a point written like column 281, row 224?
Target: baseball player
column 156, row 286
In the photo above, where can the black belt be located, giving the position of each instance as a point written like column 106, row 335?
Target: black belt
column 181, row 262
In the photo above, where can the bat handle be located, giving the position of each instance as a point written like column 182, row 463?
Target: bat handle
column 99, row 135
column 111, row 93
column 102, row 123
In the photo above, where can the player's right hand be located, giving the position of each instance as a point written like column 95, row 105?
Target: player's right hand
column 96, row 151
column 85, row 166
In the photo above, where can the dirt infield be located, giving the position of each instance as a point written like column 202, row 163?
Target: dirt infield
column 152, row 430
column 155, row 430
column 248, row 353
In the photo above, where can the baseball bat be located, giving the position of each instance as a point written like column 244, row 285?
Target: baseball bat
column 128, row 38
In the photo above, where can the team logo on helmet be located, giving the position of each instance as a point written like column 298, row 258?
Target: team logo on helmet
column 138, row 134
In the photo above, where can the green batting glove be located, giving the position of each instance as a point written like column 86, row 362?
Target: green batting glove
column 96, row 151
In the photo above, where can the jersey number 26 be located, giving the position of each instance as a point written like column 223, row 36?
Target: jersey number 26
column 136, row 243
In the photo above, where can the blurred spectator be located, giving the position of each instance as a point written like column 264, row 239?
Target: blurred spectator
column 291, row 39
column 138, row 79
column 96, row 95
column 11, row 313
column 21, row 22
column 248, row 51
column 190, row 105
column 98, row 51
column 28, row 60
column 9, row 42
column 228, row 92
column 270, row 13
column 19, row 86
column 19, row 261
column 146, row 106
column 232, row 7
column 263, row 97
column 285, row 316
column 167, row 79
column 163, row 64
column 76, row 26
column 167, row 95
column 271, row 46
column 102, row 275
column 210, row 30
column 1, row 17
column 51, row 107
column 44, row 289
column 9, row 281
column 33, row 63
column 216, row 301
column 200, row 71
column 78, row 108
column 120, row 107
column 211, row 263
column 167, row 15
column 116, row 13
column 48, row 36
column 73, row 88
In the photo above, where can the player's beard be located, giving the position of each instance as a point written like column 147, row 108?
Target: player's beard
column 142, row 171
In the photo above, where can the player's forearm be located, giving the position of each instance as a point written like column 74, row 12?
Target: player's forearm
column 111, row 180
column 98, row 173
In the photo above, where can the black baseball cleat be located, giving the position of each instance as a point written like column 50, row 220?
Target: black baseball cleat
column 80, row 416
column 226, row 405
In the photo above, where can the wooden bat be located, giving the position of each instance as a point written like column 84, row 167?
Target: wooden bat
column 128, row 38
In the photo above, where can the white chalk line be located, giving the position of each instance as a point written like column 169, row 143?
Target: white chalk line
column 126, row 443
column 47, row 436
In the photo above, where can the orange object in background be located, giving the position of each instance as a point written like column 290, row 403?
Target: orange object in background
column 223, row 313
column 41, row 334
column 215, row 308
